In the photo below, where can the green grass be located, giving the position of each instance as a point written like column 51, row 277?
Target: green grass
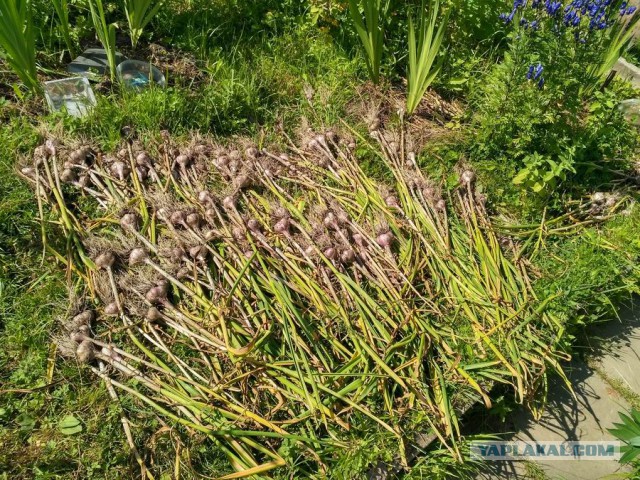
column 533, row 471
column 247, row 93
column 594, row 272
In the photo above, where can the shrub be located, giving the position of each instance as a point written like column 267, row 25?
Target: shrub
column 533, row 108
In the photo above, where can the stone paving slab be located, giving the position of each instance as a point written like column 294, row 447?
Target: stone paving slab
column 620, row 357
column 585, row 417
column 628, row 71
column 594, row 409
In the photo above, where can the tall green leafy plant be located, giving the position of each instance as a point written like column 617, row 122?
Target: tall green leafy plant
column 17, row 39
column 139, row 14
column 62, row 11
column 106, row 34
column 424, row 47
column 628, row 431
column 371, row 30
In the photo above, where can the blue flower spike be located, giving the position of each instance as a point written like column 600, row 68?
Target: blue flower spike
column 600, row 13
column 530, row 72
column 538, row 71
column 571, row 16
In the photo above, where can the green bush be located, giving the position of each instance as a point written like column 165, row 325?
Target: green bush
column 540, row 108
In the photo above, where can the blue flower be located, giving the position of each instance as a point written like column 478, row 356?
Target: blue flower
column 598, row 13
column 507, row 17
column 571, row 17
column 538, row 71
column 541, row 83
column 535, row 71
column 530, row 72
column 552, row 7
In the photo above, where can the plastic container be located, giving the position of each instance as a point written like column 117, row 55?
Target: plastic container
column 137, row 74
column 73, row 94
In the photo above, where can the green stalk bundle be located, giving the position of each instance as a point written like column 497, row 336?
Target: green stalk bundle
column 139, row 14
column 106, row 34
column 304, row 298
column 424, row 48
column 17, row 39
column 62, row 11
column 371, row 31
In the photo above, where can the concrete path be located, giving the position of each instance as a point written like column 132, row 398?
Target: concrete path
column 603, row 387
column 628, row 71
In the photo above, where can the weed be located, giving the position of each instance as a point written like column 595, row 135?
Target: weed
column 533, row 471
column 618, row 385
